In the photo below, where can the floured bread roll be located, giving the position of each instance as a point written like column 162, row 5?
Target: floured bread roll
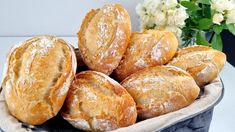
column 103, row 37
column 96, row 102
column 37, row 78
column 202, row 62
column 161, row 89
column 150, row 48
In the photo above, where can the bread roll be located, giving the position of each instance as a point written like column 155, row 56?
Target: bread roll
column 150, row 48
column 37, row 77
column 95, row 102
column 160, row 90
column 103, row 37
column 202, row 62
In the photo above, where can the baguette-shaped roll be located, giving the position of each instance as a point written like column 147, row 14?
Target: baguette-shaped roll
column 37, row 78
column 96, row 102
column 104, row 36
column 202, row 62
column 150, row 48
column 160, row 90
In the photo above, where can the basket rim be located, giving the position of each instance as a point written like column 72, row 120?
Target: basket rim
column 202, row 111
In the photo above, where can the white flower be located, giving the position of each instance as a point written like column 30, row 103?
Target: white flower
column 140, row 10
column 177, row 17
column 218, row 18
column 176, row 30
column 151, row 6
column 167, row 4
column 145, row 20
column 231, row 16
column 147, row 12
column 151, row 3
column 222, row 5
column 165, row 14
column 160, row 18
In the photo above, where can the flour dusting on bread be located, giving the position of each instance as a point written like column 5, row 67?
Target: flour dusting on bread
column 201, row 62
column 99, row 100
column 156, row 52
column 33, row 80
column 42, row 46
column 103, row 124
column 146, row 49
column 8, row 88
column 103, row 37
column 141, row 63
column 79, row 123
column 103, row 32
column 161, row 89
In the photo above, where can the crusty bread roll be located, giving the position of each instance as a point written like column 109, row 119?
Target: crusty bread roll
column 96, row 102
column 161, row 89
column 37, row 78
column 202, row 62
column 150, row 48
column 104, row 36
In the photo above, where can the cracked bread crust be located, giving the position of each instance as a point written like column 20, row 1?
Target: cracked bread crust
column 96, row 102
column 160, row 90
column 146, row 49
column 202, row 62
column 37, row 76
column 104, row 36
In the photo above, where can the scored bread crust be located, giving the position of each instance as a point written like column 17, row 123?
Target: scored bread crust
column 161, row 89
column 96, row 102
column 202, row 62
column 104, row 36
column 146, row 49
column 37, row 76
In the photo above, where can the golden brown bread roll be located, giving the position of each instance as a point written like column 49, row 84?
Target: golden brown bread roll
column 103, row 37
column 150, row 48
column 202, row 62
column 161, row 89
column 37, row 78
column 96, row 102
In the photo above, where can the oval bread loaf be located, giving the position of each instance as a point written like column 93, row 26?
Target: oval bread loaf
column 37, row 77
column 160, row 90
column 104, row 36
column 150, row 48
column 96, row 102
column 202, row 62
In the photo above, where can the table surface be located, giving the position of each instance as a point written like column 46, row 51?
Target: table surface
column 224, row 112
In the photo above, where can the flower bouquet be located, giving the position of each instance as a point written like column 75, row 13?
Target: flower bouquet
column 193, row 21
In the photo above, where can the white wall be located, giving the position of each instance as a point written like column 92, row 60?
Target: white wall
column 57, row 17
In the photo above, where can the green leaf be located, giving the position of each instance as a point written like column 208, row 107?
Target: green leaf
column 217, row 42
column 206, row 11
column 200, row 39
column 218, row 29
column 206, row 2
column 205, row 23
column 231, row 28
column 190, row 6
column 150, row 26
column 224, row 25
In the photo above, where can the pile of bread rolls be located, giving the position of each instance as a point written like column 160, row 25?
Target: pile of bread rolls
column 151, row 76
